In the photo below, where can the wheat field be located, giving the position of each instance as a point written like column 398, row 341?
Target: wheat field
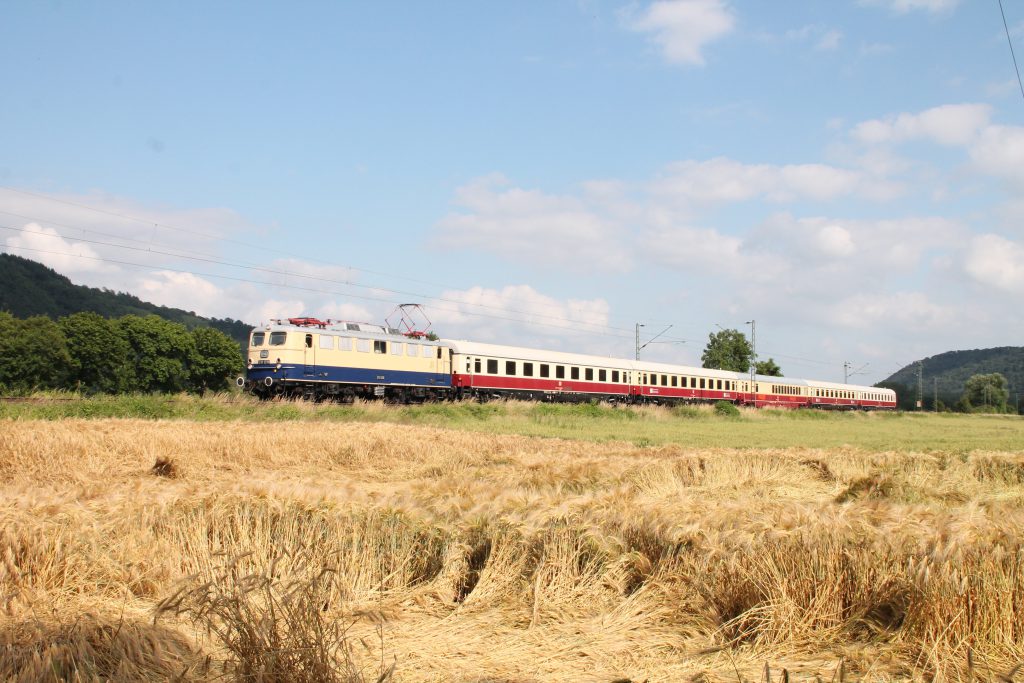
column 192, row 550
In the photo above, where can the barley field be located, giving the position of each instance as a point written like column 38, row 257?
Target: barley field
column 223, row 540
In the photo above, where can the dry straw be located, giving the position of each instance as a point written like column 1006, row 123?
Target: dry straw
column 318, row 551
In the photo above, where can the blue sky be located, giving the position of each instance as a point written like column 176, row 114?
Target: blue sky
column 548, row 174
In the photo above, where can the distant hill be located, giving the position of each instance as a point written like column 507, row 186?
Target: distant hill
column 28, row 288
column 950, row 371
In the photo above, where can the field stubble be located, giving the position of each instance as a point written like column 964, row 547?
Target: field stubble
column 457, row 555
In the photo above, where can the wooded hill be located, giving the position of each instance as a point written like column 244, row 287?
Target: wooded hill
column 948, row 372
column 28, row 288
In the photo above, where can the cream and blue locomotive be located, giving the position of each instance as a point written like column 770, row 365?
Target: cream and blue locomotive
column 311, row 358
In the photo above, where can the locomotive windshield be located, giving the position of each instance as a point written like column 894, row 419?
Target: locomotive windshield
column 257, row 338
column 278, row 338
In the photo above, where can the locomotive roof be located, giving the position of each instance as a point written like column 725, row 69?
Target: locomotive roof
column 347, row 329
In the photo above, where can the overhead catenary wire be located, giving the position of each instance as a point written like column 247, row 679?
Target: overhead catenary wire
column 573, row 326
column 568, row 322
column 1016, row 69
column 277, row 252
column 563, row 322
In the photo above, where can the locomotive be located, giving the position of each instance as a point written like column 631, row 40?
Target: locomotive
column 335, row 360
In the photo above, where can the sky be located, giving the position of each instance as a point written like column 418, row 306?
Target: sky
column 549, row 174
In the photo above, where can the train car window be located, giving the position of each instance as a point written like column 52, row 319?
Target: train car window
column 258, row 337
column 675, row 381
column 326, row 341
column 615, row 376
column 701, row 382
column 352, row 326
column 588, row 374
column 510, row 367
column 574, row 373
column 545, row 370
column 527, row 369
column 344, row 343
column 719, row 383
column 602, row 375
column 476, row 366
column 396, row 348
column 664, row 380
column 380, row 346
column 278, row 338
column 492, row 366
column 559, row 372
column 363, row 345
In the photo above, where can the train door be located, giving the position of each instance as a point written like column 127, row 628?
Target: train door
column 443, row 362
column 309, row 356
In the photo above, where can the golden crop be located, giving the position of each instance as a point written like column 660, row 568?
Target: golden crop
column 150, row 550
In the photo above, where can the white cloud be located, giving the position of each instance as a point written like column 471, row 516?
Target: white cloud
column 900, row 310
column 949, row 124
column 996, row 262
column 1000, row 151
column 904, row 6
column 178, row 290
column 47, row 246
column 532, row 226
column 725, row 180
column 834, row 240
column 682, row 28
column 519, row 315
column 829, row 40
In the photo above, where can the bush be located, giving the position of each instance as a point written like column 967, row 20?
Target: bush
column 726, row 409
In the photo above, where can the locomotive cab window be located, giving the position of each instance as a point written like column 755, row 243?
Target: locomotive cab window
column 278, row 338
column 309, row 341
column 257, row 338
column 380, row 347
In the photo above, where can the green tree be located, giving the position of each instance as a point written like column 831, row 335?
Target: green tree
column 33, row 354
column 987, row 393
column 768, row 367
column 215, row 358
column 727, row 350
column 101, row 357
column 160, row 351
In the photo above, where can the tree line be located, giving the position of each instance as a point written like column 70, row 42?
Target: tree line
column 983, row 393
column 92, row 354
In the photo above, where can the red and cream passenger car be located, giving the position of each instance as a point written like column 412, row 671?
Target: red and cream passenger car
column 495, row 371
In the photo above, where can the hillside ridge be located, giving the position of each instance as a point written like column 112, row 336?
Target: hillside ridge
column 29, row 288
